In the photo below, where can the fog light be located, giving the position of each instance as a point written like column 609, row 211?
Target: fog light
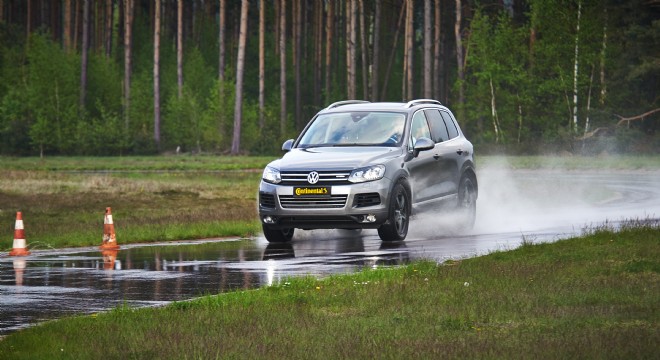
column 269, row 220
column 370, row 218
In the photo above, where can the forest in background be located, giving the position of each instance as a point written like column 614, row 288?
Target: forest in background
column 122, row 77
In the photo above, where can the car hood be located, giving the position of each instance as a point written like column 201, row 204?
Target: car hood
column 335, row 158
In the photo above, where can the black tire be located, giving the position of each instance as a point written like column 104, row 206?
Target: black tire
column 277, row 235
column 398, row 218
column 467, row 203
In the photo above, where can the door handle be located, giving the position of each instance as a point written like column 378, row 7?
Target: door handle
column 437, row 157
column 460, row 152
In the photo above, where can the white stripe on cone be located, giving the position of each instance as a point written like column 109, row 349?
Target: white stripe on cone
column 19, row 244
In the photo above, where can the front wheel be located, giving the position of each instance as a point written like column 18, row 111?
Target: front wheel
column 277, row 235
column 396, row 227
column 467, row 203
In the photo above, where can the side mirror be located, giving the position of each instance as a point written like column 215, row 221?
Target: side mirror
column 287, row 145
column 423, row 144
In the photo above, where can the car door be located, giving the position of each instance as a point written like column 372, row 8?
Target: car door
column 423, row 169
column 444, row 154
column 454, row 152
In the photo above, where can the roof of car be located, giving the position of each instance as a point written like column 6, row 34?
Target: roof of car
column 359, row 105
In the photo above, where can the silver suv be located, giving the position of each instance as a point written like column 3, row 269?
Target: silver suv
column 362, row 165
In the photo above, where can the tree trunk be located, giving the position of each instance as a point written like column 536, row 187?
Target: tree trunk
column 297, row 60
column 574, row 128
column 109, row 9
column 393, row 51
column 157, row 74
column 351, row 39
column 493, row 108
column 67, row 26
column 375, row 73
column 221, row 66
column 128, row 24
column 438, row 71
column 410, row 33
column 276, row 4
column 586, row 119
column 240, row 63
column 76, row 25
column 459, row 57
column 179, row 48
column 520, row 116
column 283, row 68
column 221, row 46
column 365, row 52
column 262, row 62
column 318, row 57
column 603, row 86
column 28, row 20
column 329, row 27
column 2, row 11
column 428, row 75
column 84, row 57
column 99, row 27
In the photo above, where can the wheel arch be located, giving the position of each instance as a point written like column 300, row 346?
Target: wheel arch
column 469, row 172
column 403, row 177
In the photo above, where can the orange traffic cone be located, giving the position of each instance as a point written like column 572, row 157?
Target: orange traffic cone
column 19, row 238
column 109, row 237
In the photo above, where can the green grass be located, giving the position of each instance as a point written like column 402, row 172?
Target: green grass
column 136, row 163
column 592, row 297
column 614, row 162
column 62, row 209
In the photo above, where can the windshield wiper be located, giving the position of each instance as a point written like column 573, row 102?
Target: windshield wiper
column 355, row 144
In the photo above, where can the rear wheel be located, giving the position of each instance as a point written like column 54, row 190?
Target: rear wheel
column 467, row 203
column 277, row 235
column 396, row 227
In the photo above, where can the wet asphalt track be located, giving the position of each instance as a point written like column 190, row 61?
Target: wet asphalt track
column 535, row 205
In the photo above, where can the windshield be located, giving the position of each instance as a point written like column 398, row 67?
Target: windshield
column 363, row 128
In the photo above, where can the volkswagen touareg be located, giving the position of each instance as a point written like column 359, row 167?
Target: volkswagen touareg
column 364, row 165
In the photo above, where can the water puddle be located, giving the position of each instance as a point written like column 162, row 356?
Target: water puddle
column 49, row 285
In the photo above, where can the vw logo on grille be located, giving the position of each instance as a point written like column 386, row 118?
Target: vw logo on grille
column 313, row 177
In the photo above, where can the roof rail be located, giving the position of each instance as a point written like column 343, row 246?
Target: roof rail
column 346, row 102
column 422, row 101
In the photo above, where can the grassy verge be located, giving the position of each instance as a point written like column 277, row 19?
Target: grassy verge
column 135, row 163
column 63, row 199
column 590, row 297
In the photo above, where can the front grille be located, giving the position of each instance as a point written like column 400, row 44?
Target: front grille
column 369, row 199
column 331, row 202
column 267, row 200
column 326, row 178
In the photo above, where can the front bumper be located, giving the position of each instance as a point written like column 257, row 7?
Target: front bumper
column 354, row 206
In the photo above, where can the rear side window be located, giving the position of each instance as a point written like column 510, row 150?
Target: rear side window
column 451, row 126
column 438, row 127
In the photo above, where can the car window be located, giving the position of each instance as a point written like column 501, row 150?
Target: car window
column 438, row 127
column 363, row 128
column 451, row 127
column 419, row 128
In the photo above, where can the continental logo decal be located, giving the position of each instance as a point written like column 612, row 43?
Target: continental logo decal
column 311, row 191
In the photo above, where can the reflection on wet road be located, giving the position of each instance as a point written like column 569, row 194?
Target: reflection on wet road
column 534, row 205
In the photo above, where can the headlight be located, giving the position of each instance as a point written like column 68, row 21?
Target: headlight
column 370, row 173
column 271, row 175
